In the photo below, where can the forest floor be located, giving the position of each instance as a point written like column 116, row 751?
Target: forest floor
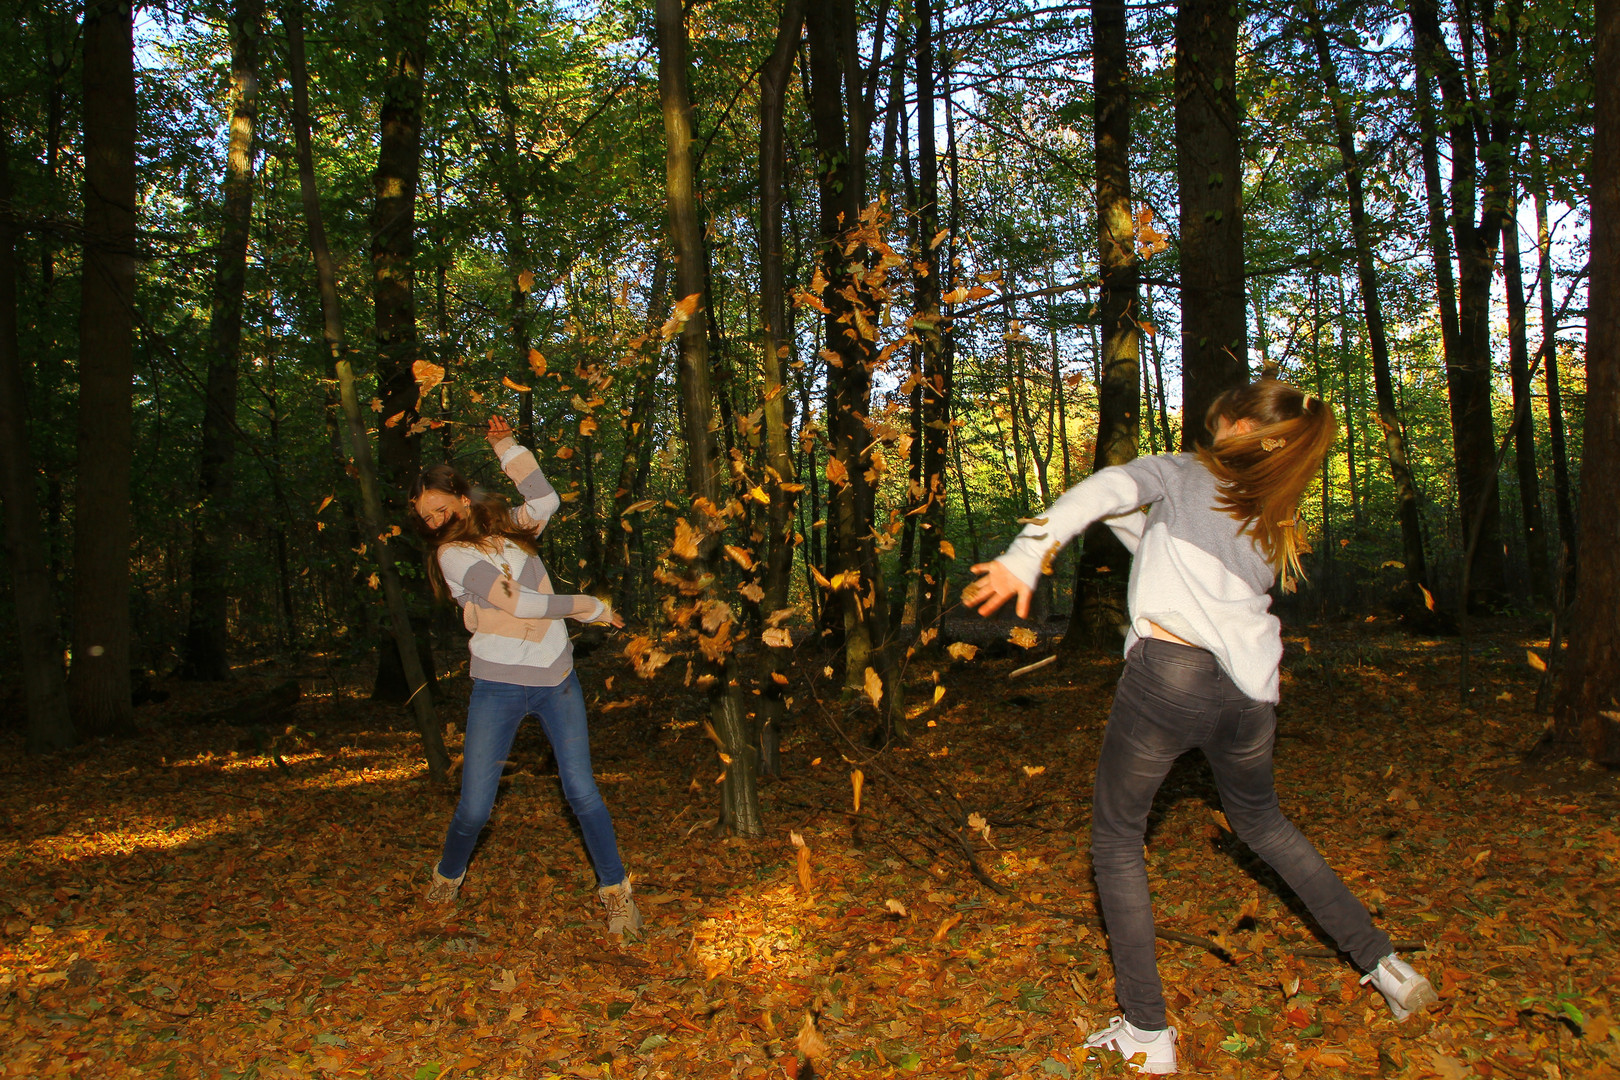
column 210, row 900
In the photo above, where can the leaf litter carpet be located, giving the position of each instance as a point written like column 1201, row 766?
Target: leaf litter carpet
column 182, row 904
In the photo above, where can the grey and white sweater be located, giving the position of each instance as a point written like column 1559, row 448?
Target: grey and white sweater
column 1194, row 571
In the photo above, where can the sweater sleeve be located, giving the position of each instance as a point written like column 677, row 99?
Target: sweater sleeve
column 477, row 577
column 540, row 499
column 1105, row 493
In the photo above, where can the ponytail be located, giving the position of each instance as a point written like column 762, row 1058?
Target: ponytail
column 1262, row 472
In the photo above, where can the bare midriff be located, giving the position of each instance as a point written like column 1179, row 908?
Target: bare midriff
column 1164, row 635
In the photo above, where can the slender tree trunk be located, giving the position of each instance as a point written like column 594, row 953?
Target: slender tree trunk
column 1524, row 427
column 1406, row 502
column 629, row 533
column 1105, row 565
column 851, row 313
column 1588, row 707
column 776, row 345
column 50, row 727
column 206, row 653
column 421, row 700
column 929, row 326
column 1209, row 176
column 98, row 682
column 739, row 793
column 1549, row 359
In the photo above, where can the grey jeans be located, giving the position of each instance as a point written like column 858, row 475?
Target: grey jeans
column 1171, row 699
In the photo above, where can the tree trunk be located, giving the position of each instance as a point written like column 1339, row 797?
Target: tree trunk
column 98, row 681
column 929, row 326
column 1105, row 564
column 775, row 346
column 1468, row 372
column 50, row 727
column 1549, row 359
column 1209, row 182
column 1372, row 309
column 421, row 700
column 206, row 653
column 1589, row 703
column 393, row 279
column 1524, row 427
column 739, row 793
column 851, row 311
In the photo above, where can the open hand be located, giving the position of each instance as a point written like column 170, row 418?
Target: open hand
column 498, row 429
column 993, row 588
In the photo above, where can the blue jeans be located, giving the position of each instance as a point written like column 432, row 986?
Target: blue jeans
column 493, row 715
column 1171, row 699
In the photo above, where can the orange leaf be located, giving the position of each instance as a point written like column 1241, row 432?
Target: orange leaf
column 427, row 374
column 537, row 363
column 507, row 382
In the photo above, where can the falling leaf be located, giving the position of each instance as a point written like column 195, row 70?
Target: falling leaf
column 777, row 637
column 896, row 907
column 587, row 426
column 856, row 780
column 427, row 375
column 809, row 1042
column 1032, row 771
column 939, row 238
column 977, row 823
column 751, row 592
column 640, row 505
column 374, row 581
column 874, row 687
column 947, row 549
column 1536, row 662
column 537, row 363
column 740, row 556
column 324, row 504
column 525, row 281
column 1023, row 637
column 961, row 650
column 836, row 473
column 680, row 315
column 805, row 880
column 1428, row 597
column 510, row 384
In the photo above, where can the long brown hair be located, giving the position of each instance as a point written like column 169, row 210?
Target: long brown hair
column 488, row 516
column 1262, row 472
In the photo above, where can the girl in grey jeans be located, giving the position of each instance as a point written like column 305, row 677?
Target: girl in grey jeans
column 1209, row 533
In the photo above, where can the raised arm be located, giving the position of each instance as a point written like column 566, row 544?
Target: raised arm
column 475, row 576
column 540, row 499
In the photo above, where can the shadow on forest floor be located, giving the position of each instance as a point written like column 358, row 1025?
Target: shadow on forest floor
column 179, row 905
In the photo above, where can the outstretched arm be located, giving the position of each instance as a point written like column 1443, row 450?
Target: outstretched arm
column 540, row 499
column 475, row 576
column 1014, row 574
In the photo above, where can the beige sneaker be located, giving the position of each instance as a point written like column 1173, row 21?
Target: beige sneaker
column 444, row 889
column 622, row 914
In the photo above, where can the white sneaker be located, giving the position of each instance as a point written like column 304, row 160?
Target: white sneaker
column 1144, row 1051
column 1404, row 989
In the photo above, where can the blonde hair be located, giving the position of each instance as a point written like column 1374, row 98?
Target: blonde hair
column 1262, row 472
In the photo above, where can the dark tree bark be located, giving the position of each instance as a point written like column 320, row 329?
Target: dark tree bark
column 427, row 724
column 50, row 727
column 206, row 647
column 864, row 596
column 1588, row 708
column 1524, row 424
column 1479, row 133
column 929, row 326
column 629, row 535
column 739, row 793
column 393, row 281
column 1406, row 499
column 98, row 682
column 1104, row 569
column 775, row 346
column 1549, row 359
column 1209, row 182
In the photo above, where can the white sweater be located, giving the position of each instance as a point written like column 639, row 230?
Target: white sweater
column 1194, row 572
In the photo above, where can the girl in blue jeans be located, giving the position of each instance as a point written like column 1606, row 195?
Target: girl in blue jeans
column 1209, row 533
column 482, row 553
